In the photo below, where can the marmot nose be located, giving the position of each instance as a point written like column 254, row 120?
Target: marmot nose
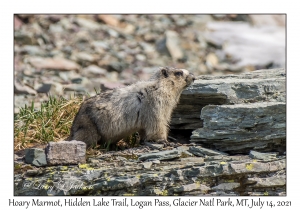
column 193, row 77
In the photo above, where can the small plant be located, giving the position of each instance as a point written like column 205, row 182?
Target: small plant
column 52, row 122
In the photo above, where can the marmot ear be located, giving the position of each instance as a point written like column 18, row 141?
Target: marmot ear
column 164, row 72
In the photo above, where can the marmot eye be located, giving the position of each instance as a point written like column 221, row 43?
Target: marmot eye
column 178, row 73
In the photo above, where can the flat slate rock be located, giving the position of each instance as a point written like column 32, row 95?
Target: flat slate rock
column 202, row 152
column 262, row 156
column 35, row 157
column 164, row 155
column 240, row 128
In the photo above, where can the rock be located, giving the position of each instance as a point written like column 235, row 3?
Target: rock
column 17, row 22
column 147, row 165
column 192, row 187
column 88, row 24
column 24, row 38
column 32, row 50
column 84, row 57
column 262, row 156
column 66, row 152
column 193, row 160
column 22, row 89
column 202, row 152
column 173, row 45
column 156, row 161
column 109, row 20
column 226, row 186
column 212, row 61
column 241, row 127
column 75, row 87
column 53, row 63
column 43, row 88
column 154, row 146
column 268, row 182
column 95, row 70
column 164, row 155
column 104, row 176
column 111, row 85
column 257, row 86
column 35, row 157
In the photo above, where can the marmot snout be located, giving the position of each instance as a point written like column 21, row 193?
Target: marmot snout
column 144, row 107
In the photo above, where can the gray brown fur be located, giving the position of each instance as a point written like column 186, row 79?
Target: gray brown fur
column 144, row 107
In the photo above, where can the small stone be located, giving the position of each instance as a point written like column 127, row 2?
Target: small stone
column 74, row 87
column 85, row 57
column 109, row 20
column 53, row 63
column 35, row 157
column 17, row 23
column 172, row 44
column 95, row 70
column 140, row 57
column 147, row 165
column 43, row 88
column 156, row 161
column 89, row 24
column 154, row 146
column 32, row 50
column 164, row 155
column 66, row 152
column 24, row 38
column 22, row 89
column 200, row 151
column 212, row 60
column 32, row 172
column 111, row 85
column 262, row 156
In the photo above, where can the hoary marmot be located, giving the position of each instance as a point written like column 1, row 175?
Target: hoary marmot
column 144, row 107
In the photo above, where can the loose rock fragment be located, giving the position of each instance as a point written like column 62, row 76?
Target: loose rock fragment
column 66, row 152
column 35, row 157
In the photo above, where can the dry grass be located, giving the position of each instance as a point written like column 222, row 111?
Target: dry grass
column 51, row 123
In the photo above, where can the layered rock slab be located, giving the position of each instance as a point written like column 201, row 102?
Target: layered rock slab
column 258, row 86
column 241, row 127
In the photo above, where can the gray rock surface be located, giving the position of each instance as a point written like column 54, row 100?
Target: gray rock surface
column 240, row 127
column 236, row 113
column 110, row 174
column 257, row 86
column 202, row 152
column 262, row 156
column 164, row 155
column 66, row 152
column 35, row 157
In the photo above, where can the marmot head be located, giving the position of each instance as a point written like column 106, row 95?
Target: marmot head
column 179, row 78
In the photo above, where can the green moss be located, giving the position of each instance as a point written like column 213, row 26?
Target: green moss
column 130, row 157
column 19, row 168
column 184, row 155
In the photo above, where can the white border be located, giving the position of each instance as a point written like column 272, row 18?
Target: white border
column 154, row 6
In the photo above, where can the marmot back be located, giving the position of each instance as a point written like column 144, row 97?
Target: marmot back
column 144, row 107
